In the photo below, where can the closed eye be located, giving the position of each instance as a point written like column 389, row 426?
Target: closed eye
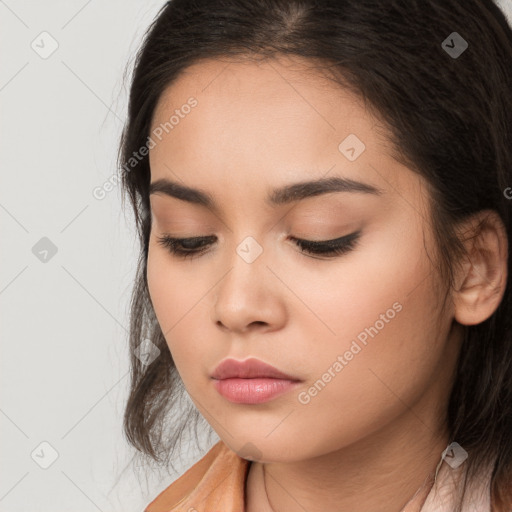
column 331, row 248
column 195, row 246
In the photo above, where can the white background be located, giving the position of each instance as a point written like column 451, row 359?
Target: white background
column 64, row 358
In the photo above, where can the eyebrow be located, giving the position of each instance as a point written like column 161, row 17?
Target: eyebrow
column 279, row 196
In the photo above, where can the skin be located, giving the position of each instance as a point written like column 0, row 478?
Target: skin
column 376, row 430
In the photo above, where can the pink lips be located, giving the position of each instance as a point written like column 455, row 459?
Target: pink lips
column 251, row 381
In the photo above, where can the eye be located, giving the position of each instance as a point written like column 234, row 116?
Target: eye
column 329, row 248
column 190, row 247
column 185, row 247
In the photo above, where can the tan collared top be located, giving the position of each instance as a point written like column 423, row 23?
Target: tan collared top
column 216, row 483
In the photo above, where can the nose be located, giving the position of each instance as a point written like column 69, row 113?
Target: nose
column 249, row 296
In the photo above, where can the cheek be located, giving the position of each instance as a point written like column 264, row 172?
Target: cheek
column 358, row 387
column 159, row 287
column 387, row 330
column 179, row 302
column 166, row 291
column 383, row 290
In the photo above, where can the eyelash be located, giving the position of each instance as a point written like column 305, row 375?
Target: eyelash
column 329, row 248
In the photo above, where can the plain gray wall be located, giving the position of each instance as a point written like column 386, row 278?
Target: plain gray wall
column 65, row 313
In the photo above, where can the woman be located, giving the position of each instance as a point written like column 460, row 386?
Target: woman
column 322, row 195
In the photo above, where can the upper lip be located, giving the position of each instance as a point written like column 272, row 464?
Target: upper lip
column 248, row 369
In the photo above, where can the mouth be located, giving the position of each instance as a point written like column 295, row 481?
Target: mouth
column 253, row 391
column 251, row 381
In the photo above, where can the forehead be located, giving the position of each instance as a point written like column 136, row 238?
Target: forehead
column 266, row 121
column 255, row 78
column 282, row 100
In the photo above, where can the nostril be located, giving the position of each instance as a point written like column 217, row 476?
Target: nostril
column 258, row 322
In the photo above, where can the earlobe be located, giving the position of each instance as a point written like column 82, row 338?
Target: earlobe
column 482, row 277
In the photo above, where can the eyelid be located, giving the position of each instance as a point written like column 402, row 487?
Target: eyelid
column 325, row 242
column 321, row 249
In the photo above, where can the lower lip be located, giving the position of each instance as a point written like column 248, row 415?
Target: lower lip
column 253, row 391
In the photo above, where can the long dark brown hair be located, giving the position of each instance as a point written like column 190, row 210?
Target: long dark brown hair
column 449, row 119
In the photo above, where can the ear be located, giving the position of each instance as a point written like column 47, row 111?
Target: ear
column 482, row 277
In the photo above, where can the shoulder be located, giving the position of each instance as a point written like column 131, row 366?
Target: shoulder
column 218, row 479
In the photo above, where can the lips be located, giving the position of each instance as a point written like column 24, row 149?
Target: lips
column 251, row 368
column 251, row 382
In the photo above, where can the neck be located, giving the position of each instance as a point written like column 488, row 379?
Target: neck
column 393, row 471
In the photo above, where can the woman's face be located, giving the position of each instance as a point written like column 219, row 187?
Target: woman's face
column 362, row 331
